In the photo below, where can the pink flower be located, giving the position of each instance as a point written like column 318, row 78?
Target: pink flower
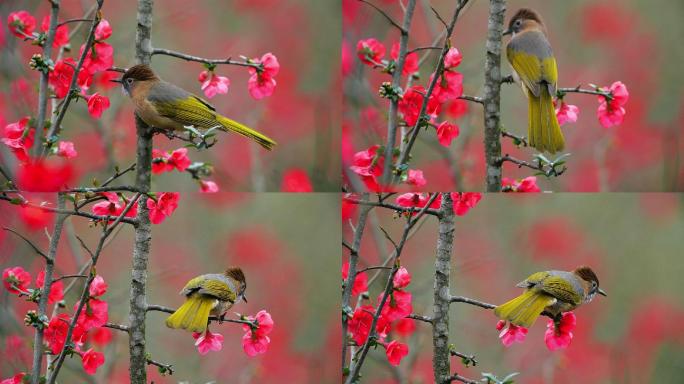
column 94, row 314
column 91, row 361
column 559, row 338
column 16, row 379
column 368, row 163
column 410, row 62
column 103, row 30
column 452, row 59
column 179, row 159
column 262, row 82
column 112, row 207
column 213, row 85
column 613, row 112
column 360, row 323
column 360, row 281
column 97, row 104
column 296, row 180
column 512, row 334
column 254, row 344
column 567, row 113
column 166, row 203
column 19, row 22
column 18, row 139
column 60, row 77
column 61, row 34
column 98, row 287
column 395, row 352
column 56, row 289
column 397, row 306
column 208, row 186
column 415, row 177
column 208, row 342
column 446, row 132
column 265, row 322
column 102, row 59
column 16, row 279
column 402, row 278
column 528, row 184
column 370, row 51
column 464, row 201
column 66, row 149
column 411, row 199
column 44, row 176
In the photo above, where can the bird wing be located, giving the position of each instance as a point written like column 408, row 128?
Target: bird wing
column 531, row 57
column 210, row 285
column 182, row 106
column 561, row 289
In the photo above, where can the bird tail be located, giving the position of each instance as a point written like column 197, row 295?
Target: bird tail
column 193, row 315
column 232, row 125
column 524, row 309
column 544, row 132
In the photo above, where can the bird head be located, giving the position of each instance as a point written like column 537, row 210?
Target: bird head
column 134, row 76
column 236, row 274
column 592, row 283
column 525, row 19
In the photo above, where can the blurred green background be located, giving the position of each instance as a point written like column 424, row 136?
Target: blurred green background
column 632, row 241
column 288, row 247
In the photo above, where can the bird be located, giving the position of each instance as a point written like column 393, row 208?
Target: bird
column 550, row 293
column 168, row 107
column 209, row 294
column 534, row 67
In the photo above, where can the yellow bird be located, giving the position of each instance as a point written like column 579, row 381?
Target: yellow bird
column 550, row 293
column 165, row 106
column 211, row 294
column 534, row 66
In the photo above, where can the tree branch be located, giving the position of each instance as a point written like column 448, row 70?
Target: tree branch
column 461, row 299
column 548, row 170
column 29, row 242
column 186, row 57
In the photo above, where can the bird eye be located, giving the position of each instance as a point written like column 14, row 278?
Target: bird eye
column 518, row 22
column 129, row 80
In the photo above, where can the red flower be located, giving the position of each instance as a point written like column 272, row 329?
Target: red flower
column 56, row 289
column 446, row 132
column 100, row 60
column 448, row 87
column 56, row 332
column 16, row 379
column 208, row 186
column 262, row 82
column 98, row 287
column 66, row 150
column 208, row 342
column 19, row 22
column 112, row 207
column 395, row 352
column 410, row 62
column 412, row 101
column 101, row 336
column 296, row 180
column 402, row 278
column 511, row 334
column 405, row 327
column 179, row 159
column 94, row 314
column 567, row 113
column 91, row 361
column 452, row 59
column 60, row 77
column 370, row 51
column 103, row 30
column 528, row 184
column 415, row 177
column 559, row 338
column 61, row 34
column 16, row 279
column 368, row 162
column 166, row 203
column 457, row 108
column 397, row 306
column 18, row 139
column 360, row 323
column 213, row 85
column 97, row 104
column 464, row 201
column 44, row 176
column 613, row 112
column 360, row 281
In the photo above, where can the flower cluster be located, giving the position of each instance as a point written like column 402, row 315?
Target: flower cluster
column 261, row 82
column 255, row 341
column 612, row 112
column 392, row 317
column 178, row 159
column 557, row 336
column 88, row 327
column 462, row 201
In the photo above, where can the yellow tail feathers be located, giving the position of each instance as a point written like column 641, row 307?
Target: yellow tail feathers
column 524, row 309
column 544, row 132
column 232, row 125
column 193, row 315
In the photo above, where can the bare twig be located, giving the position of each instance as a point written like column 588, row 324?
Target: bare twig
column 518, row 140
column 395, row 207
column 186, row 57
column 461, row 299
column 457, row 377
column 422, row 318
column 29, row 242
column 388, row 17
column 164, row 367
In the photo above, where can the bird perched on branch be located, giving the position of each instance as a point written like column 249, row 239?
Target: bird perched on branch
column 165, row 106
column 534, row 66
column 211, row 294
column 550, row 293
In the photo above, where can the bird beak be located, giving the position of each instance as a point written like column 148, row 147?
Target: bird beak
column 507, row 32
column 244, row 298
column 116, row 81
column 602, row 292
